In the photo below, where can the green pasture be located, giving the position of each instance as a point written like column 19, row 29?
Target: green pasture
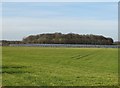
column 37, row 66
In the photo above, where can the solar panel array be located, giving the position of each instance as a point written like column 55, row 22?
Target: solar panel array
column 67, row 45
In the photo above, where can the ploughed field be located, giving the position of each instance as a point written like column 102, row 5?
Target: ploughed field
column 43, row 66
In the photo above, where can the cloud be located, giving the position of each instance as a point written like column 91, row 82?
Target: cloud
column 17, row 28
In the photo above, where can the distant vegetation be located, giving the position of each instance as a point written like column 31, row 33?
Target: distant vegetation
column 7, row 43
column 59, row 38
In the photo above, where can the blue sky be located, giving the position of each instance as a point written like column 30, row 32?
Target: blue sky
column 21, row 19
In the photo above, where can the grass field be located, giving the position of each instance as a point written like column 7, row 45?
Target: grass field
column 36, row 66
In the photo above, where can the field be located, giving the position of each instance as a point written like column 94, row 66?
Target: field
column 37, row 66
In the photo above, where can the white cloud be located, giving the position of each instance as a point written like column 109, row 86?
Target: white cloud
column 16, row 28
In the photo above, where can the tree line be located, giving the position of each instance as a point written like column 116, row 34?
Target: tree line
column 59, row 38
column 70, row 38
column 7, row 43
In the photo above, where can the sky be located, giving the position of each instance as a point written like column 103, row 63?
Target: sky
column 21, row 19
column 59, row 0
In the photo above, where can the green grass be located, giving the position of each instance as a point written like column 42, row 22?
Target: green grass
column 36, row 66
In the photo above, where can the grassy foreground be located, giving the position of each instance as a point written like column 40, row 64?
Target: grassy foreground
column 36, row 66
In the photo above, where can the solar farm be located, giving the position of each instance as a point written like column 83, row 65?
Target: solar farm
column 59, row 66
